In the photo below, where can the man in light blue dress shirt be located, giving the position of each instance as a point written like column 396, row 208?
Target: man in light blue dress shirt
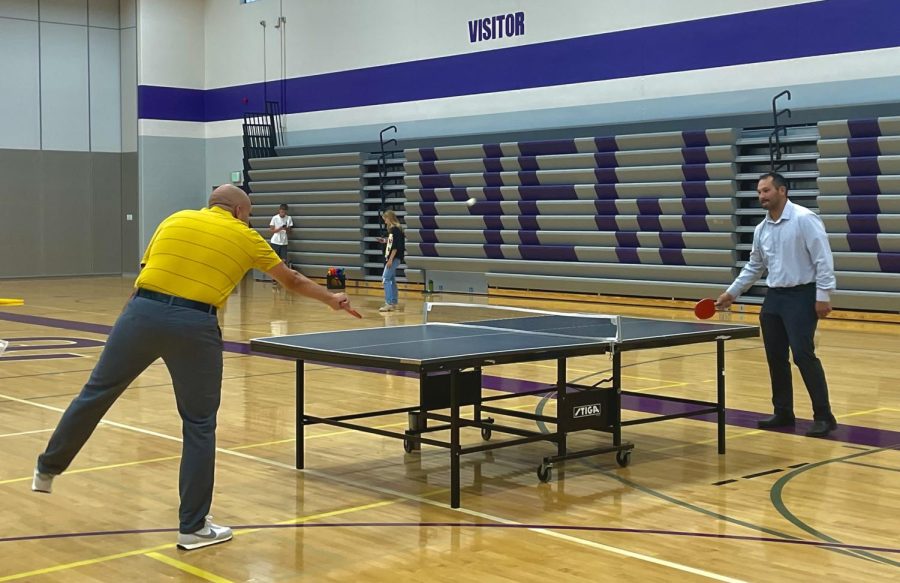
column 791, row 244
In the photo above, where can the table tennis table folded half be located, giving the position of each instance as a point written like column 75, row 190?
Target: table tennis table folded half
column 448, row 357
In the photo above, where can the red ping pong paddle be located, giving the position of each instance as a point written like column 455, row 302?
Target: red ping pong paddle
column 353, row 313
column 705, row 308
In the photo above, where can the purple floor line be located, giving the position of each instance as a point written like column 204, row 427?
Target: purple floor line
column 492, row 525
column 868, row 436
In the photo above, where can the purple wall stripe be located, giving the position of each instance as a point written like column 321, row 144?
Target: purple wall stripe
column 867, row 166
column 865, row 205
column 492, row 178
column 863, row 146
column 427, row 168
column 493, row 151
column 863, row 242
column 487, row 207
column 529, row 223
column 649, row 206
column 427, row 154
column 672, row 256
column 695, row 223
column 493, row 222
column 606, row 175
column 606, row 144
column 548, row 252
column 428, row 236
column 546, row 147
column 459, row 194
column 889, row 262
column 695, row 155
column 627, row 239
column 606, row 207
column 863, row 128
column 627, row 255
column 548, row 192
column 428, row 208
column 605, row 160
column 428, row 222
column 529, row 179
column 695, row 139
column 842, row 26
column 606, row 191
column 436, row 181
column 694, row 172
column 695, row 206
column 863, row 185
column 493, row 165
column 695, row 189
column 863, row 223
column 672, row 240
column 606, row 223
column 492, row 237
column 427, row 195
column 428, row 249
column 491, row 193
column 528, row 163
column 649, row 222
column 528, row 207
column 493, row 252
column 529, row 237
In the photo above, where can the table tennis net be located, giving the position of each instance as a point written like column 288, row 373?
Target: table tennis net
column 603, row 327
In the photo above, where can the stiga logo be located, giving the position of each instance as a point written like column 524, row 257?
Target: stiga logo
column 586, row 411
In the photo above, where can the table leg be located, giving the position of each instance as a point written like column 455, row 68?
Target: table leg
column 454, row 438
column 300, row 426
column 560, row 399
column 720, row 392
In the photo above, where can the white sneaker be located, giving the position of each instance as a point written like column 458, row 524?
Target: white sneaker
column 42, row 482
column 210, row 534
column 387, row 308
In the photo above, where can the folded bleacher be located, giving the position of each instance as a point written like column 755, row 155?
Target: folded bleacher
column 645, row 215
column 323, row 192
column 859, row 202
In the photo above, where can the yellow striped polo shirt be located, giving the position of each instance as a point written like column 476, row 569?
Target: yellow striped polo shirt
column 201, row 255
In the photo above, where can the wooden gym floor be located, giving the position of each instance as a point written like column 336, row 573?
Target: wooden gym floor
column 778, row 506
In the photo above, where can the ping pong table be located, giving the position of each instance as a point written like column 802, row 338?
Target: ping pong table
column 449, row 357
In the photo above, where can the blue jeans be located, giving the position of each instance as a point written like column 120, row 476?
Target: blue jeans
column 190, row 344
column 390, row 283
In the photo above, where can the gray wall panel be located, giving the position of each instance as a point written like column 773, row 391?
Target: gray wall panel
column 19, row 71
column 172, row 178
column 223, row 156
column 127, row 13
column 64, row 87
column 20, row 191
column 105, row 90
column 128, row 79
column 131, row 246
column 65, row 11
column 107, row 217
column 19, row 9
column 103, row 13
column 65, row 218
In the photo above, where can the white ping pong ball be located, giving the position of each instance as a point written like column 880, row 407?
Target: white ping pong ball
column 471, row 201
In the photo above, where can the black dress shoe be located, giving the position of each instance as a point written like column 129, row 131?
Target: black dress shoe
column 821, row 428
column 776, row 420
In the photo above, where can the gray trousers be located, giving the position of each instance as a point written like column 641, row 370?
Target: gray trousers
column 190, row 343
column 788, row 320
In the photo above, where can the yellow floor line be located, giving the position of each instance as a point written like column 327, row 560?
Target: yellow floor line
column 26, row 432
column 83, row 563
column 195, row 571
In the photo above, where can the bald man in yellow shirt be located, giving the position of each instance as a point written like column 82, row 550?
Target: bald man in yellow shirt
column 192, row 264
